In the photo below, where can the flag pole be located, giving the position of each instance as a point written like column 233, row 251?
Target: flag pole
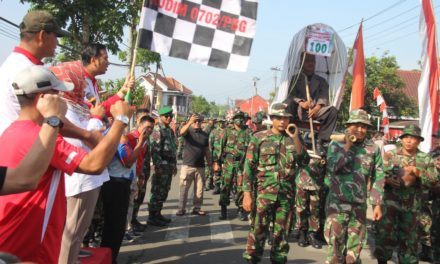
column 127, row 97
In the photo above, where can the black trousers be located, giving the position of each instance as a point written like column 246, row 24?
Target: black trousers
column 327, row 120
column 115, row 196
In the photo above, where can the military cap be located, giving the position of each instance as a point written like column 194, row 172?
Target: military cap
column 246, row 116
column 38, row 20
column 238, row 114
column 279, row 109
column 437, row 135
column 359, row 116
column 412, row 130
column 165, row 110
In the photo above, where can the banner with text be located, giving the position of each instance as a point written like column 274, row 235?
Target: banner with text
column 217, row 33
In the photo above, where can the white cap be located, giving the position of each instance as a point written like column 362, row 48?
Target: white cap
column 38, row 79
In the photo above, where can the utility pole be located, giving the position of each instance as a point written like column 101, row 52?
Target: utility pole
column 275, row 73
column 255, row 80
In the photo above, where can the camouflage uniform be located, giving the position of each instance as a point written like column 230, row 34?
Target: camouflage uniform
column 209, row 181
column 435, row 230
column 348, row 173
column 163, row 149
column 142, row 191
column 180, row 142
column 271, row 161
column 230, row 152
column 307, row 200
column 214, row 138
column 402, row 205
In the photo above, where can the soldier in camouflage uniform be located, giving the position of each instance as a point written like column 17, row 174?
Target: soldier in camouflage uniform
column 214, row 138
column 230, row 152
column 209, row 182
column 350, row 166
column 272, row 158
column 163, row 150
column 408, row 170
column 307, row 200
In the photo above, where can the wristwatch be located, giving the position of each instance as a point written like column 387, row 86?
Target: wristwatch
column 123, row 118
column 54, row 121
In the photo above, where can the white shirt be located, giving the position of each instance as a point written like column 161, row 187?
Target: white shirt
column 9, row 107
column 78, row 182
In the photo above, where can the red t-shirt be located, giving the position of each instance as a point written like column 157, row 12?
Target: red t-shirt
column 133, row 138
column 32, row 223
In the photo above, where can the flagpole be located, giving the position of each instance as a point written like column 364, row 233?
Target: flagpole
column 127, row 97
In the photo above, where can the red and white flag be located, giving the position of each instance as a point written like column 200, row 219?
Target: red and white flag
column 383, row 109
column 428, row 84
column 358, row 73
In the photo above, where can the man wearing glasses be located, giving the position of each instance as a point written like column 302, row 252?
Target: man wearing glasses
column 163, row 150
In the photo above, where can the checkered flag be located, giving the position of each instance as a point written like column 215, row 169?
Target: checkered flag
column 216, row 33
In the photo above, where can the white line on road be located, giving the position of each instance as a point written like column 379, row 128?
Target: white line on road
column 221, row 231
column 178, row 228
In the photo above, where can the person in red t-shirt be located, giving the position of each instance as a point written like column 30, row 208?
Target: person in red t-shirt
column 31, row 223
column 139, row 186
column 26, row 175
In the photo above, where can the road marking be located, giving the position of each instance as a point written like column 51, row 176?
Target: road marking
column 221, row 231
column 178, row 229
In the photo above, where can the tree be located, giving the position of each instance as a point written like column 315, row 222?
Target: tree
column 103, row 21
column 381, row 73
column 113, row 86
column 199, row 104
column 144, row 57
column 88, row 21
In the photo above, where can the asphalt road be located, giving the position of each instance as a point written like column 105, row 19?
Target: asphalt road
column 193, row 239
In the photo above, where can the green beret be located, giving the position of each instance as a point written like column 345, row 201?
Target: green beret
column 165, row 110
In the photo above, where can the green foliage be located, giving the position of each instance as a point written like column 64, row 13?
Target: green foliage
column 113, row 86
column 199, row 104
column 143, row 60
column 381, row 73
column 88, row 21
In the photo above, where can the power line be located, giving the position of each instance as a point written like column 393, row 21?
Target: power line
column 375, row 15
column 383, row 21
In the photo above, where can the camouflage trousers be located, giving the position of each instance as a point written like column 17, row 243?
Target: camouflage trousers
column 307, row 210
column 160, row 186
column 425, row 223
column 280, row 213
column 139, row 198
column 435, row 231
column 228, row 181
column 396, row 229
column 345, row 233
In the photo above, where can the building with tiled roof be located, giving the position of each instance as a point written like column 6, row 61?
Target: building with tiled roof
column 166, row 91
column 411, row 80
column 252, row 105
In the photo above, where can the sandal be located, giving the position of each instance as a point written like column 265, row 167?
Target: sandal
column 180, row 212
column 198, row 212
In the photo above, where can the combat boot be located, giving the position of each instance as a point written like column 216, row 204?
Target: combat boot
column 302, row 240
column 154, row 220
column 223, row 213
column 382, row 261
column 426, row 254
column 295, row 234
column 216, row 189
column 243, row 215
column 313, row 240
column 163, row 218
